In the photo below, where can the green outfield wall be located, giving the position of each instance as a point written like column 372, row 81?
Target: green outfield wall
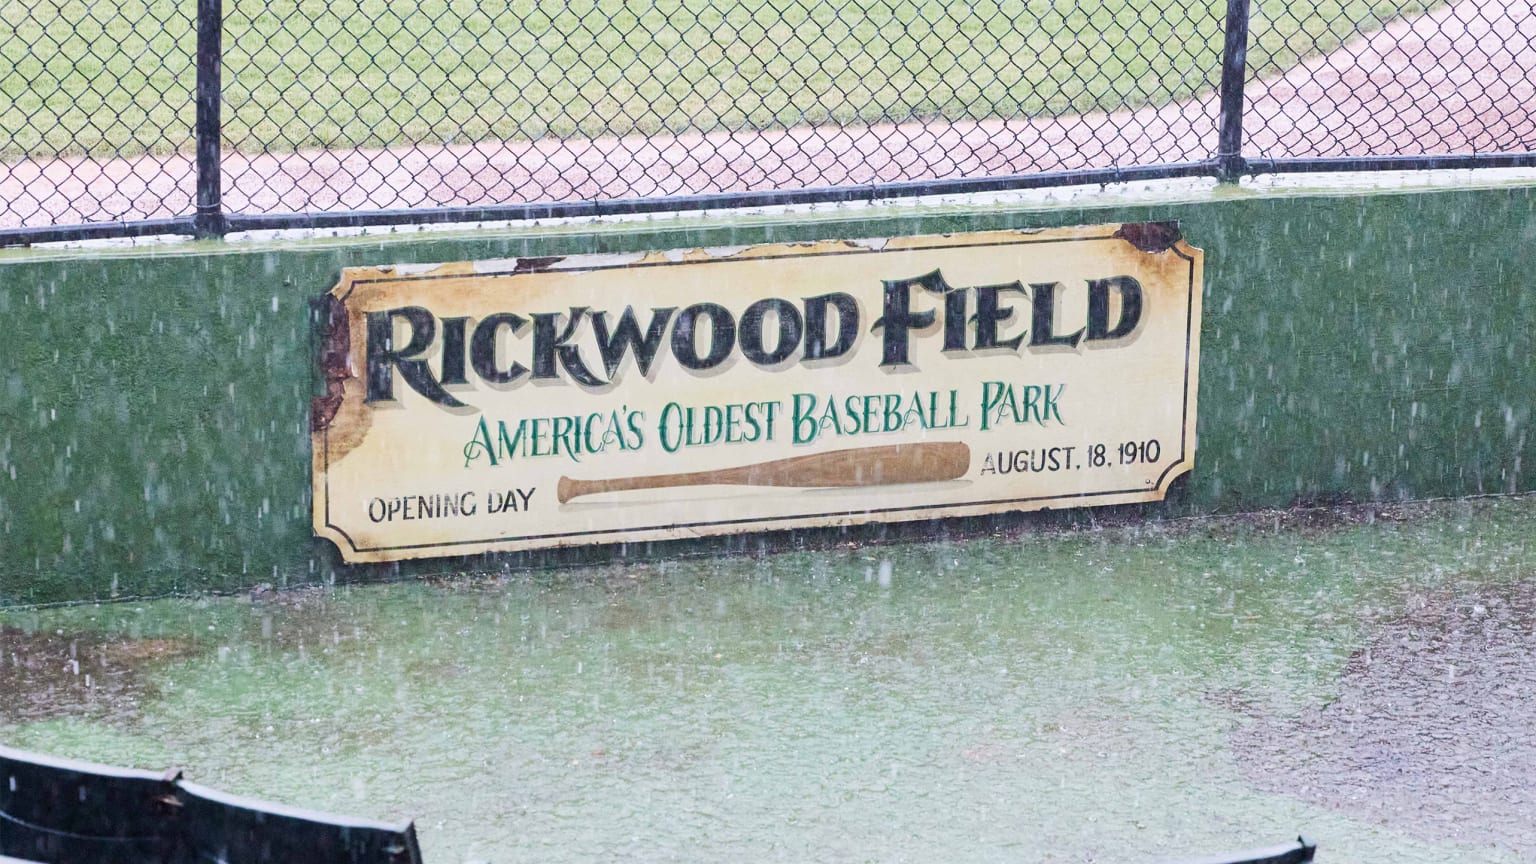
column 154, row 400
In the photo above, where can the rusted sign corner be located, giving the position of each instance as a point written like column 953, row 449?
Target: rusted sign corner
column 334, row 359
column 535, row 265
column 1152, row 237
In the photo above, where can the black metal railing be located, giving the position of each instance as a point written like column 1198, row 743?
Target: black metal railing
column 205, row 117
column 60, row 811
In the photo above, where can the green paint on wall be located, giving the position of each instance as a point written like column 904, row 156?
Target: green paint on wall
column 155, row 403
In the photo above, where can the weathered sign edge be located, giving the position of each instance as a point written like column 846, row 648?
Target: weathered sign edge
column 1149, row 237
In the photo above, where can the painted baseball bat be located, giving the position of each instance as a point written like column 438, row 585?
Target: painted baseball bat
column 861, row 466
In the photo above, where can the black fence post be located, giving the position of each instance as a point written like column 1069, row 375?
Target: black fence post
column 1234, row 68
column 209, row 218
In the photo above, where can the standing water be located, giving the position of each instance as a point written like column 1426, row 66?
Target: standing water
column 1114, row 694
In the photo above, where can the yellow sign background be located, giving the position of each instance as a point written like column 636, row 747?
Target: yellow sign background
column 947, row 433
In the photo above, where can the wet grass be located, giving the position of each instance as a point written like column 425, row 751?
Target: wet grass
column 1127, row 693
column 84, row 76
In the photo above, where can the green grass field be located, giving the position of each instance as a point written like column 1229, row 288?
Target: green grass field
column 100, row 78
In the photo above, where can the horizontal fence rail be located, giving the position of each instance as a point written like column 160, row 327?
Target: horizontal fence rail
column 203, row 117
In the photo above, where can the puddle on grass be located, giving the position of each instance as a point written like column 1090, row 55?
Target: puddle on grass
column 1440, row 705
column 1136, row 692
column 48, row 674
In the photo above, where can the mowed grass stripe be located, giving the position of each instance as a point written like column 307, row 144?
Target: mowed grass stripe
column 99, row 78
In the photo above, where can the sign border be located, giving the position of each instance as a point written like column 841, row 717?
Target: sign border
column 516, row 543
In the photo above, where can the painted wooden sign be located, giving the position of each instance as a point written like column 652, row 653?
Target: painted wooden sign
column 540, row 402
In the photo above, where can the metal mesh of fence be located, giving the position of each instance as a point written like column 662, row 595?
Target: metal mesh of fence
column 371, row 105
column 96, row 101
column 367, row 104
column 1392, row 79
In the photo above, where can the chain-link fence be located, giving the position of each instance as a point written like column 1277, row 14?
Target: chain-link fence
column 206, row 116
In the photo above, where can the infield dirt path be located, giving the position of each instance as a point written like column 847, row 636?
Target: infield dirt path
column 1460, row 79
